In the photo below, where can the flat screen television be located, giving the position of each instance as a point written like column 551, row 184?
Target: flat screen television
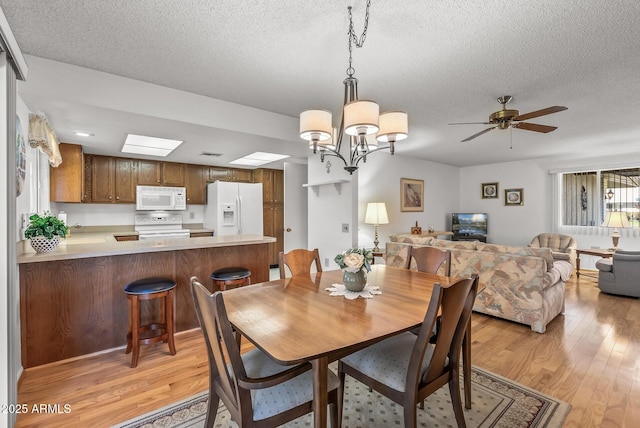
column 469, row 223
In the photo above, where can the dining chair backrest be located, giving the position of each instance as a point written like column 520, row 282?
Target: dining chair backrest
column 455, row 308
column 299, row 261
column 429, row 259
column 221, row 342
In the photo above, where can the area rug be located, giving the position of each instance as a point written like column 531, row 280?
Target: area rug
column 496, row 402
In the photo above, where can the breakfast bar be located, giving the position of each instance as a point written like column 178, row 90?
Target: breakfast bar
column 72, row 301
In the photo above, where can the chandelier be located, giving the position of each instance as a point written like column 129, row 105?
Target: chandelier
column 361, row 119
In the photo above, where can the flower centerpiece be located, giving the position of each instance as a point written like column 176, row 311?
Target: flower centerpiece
column 355, row 263
column 44, row 231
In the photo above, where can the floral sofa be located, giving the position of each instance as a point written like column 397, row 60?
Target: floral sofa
column 521, row 284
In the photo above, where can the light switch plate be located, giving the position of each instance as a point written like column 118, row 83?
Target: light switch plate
column 345, row 227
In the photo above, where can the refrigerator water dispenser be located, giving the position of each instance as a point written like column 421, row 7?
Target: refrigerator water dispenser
column 228, row 214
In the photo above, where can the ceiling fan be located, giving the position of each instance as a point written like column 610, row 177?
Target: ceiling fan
column 503, row 119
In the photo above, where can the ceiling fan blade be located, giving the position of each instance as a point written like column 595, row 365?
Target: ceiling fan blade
column 478, row 134
column 539, row 113
column 534, row 127
column 470, row 123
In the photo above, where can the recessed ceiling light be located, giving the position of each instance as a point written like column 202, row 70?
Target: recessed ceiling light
column 258, row 158
column 153, row 146
column 83, row 133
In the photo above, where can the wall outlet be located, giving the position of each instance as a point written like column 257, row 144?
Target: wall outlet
column 192, row 215
column 326, row 262
column 345, row 227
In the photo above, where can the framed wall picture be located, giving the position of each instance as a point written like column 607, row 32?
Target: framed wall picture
column 513, row 197
column 489, row 190
column 411, row 194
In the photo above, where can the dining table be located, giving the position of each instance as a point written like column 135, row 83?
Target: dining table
column 296, row 320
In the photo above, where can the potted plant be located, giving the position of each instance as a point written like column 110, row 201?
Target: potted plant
column 355, row 263
column 43, row 232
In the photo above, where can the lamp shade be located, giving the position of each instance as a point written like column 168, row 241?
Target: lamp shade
column 361, row 117
column 315, row 125
column 394, row 126
column 376, row 213
column 616, row 219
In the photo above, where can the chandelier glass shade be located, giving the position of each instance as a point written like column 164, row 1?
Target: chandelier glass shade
column 361, row 123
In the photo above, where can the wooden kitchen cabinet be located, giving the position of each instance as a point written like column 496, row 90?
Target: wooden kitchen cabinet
column 196, row 184
column 67, row 181
column 242, row 175
column 273, row 208
column 154, row 173
column 113, row 180
column 230, row 174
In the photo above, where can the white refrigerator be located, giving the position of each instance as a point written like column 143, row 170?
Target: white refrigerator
column 234, row 208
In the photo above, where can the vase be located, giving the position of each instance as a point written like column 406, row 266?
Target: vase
column 354, row 281
column 44, row 245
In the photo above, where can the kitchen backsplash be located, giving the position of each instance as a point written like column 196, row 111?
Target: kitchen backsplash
column 114, row 214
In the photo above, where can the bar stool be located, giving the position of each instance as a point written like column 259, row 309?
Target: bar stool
column 149, row 289
column 231, row 276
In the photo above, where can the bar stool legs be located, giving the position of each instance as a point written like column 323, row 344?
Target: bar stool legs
column 149, row 289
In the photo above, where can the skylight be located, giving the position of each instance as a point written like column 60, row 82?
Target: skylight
column 153, row 146
column 258, row 158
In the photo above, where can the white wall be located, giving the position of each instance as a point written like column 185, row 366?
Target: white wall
column 330, row 206
column 379, row 181
column 509, row 225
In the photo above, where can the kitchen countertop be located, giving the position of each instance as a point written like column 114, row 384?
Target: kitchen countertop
column 86, row 245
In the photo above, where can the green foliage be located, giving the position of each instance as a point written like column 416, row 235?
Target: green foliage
column 46, row 226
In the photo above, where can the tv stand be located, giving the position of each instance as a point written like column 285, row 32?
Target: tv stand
column 465, row 237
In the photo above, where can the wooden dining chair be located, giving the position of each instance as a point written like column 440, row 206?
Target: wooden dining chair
column 429, row 259
column 299, row 261
column 407, row 368
column 256, row 390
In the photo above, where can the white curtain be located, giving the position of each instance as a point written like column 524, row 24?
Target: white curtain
column 42, row 136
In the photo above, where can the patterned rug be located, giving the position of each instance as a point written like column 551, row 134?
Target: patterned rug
column 496, row 402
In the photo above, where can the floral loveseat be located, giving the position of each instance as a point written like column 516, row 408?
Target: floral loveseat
column 521, row 284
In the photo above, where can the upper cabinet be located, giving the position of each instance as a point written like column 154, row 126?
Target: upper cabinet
column 272, row 184
column 230, row 174
column 154, row 173
column 113, row 180
column 107, row 179
column 67, row 182
column 196, row 183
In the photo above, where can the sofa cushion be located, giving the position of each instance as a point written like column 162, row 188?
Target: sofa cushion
column 458, row 245
column 397, row 254
column 412, row 239
column 545, row 253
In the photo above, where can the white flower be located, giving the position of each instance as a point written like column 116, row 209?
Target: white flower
column 353, row 262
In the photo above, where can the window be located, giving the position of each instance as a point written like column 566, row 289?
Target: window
column 586, row 197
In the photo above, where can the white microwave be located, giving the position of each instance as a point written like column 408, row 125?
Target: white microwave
column 161, row 198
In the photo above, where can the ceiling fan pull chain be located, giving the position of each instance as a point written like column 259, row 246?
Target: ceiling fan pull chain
column 359, row 42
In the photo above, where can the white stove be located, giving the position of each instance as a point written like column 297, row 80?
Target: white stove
column 159, row 224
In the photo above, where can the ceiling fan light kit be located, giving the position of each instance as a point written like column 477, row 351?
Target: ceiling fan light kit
column 361, row 121
column 511, row 118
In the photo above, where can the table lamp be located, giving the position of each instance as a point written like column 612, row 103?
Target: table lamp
column 376, row 214
column 615, row 219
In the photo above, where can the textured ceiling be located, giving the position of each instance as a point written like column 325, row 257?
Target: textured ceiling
column 441, row 61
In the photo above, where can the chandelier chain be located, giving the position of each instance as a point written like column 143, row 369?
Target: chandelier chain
column 353, row 39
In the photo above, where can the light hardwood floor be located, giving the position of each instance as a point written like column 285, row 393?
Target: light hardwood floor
column 589, row 357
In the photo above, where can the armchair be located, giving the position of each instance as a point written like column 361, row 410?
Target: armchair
column 558, row 243
column 620, row 274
